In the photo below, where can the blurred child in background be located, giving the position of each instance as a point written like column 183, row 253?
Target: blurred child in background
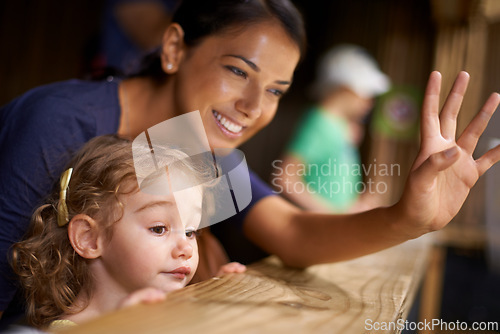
column 321, row 167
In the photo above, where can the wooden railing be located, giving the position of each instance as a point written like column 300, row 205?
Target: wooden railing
column 354, row 296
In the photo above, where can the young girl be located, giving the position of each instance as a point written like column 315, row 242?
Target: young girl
column 100, row 243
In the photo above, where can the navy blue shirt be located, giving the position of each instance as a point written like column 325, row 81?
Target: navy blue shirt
column 230, row 231
column 39, row 132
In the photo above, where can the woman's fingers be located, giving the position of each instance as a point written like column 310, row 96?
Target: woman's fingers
column 232, row 267
column 430, row 109
column 442, row 160
column 487, row 160
column 449, row 113
column 146, row 295
column 470, row 136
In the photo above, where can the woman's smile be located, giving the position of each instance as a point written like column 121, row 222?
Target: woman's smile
column 227, row 126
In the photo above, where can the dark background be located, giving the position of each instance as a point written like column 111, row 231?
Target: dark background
column 52, row 40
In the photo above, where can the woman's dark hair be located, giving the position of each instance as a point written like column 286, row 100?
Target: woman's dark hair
column 203, row 18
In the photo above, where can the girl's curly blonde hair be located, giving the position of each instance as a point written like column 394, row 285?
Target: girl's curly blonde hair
column 51, row 273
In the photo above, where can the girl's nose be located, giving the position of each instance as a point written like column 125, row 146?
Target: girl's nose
column 182, row 248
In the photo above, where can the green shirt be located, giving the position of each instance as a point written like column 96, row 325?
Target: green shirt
column 331, row 162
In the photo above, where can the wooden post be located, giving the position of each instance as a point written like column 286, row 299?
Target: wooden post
column 461, row 44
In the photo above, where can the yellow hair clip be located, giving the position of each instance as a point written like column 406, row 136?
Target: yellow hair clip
column 62, row 208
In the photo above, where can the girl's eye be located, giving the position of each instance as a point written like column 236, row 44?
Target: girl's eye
column 237, row 71
column 191, row 234
column 158, row 230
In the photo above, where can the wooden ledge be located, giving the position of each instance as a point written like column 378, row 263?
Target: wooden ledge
column 270, row 298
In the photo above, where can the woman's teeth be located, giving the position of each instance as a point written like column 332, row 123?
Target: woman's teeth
column 230, row 126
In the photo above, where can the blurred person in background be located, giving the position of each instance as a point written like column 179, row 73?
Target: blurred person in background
column 321, row 169
column 129, row 30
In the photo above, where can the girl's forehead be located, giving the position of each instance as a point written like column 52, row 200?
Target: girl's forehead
column 189, row 205
column 183, row 207
column 139, row 199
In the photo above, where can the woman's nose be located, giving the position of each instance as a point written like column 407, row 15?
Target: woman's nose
column 250, row 103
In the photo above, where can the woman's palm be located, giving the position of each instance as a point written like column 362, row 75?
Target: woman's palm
column 445, row 170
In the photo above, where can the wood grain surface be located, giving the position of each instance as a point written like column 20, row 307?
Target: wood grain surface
column 270, row 298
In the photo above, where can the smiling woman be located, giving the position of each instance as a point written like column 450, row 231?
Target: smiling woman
column 245, row 95
column 232, row 60
column 233, row 76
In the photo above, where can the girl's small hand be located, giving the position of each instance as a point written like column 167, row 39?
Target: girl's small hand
column 444, row 170
column 143, row 296
column 232, row 267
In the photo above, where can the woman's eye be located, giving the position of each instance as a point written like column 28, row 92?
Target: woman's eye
column 237, row 71
column 159, row 230
column 277, row 92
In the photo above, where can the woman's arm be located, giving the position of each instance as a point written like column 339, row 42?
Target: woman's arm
column 439, row 182
column 303, row 238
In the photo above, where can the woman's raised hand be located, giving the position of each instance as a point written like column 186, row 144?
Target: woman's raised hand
column 444, row 170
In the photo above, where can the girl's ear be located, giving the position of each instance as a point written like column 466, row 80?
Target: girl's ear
column 85, row 236
column 173, row 48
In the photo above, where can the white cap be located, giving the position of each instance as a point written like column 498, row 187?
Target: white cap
column 350, row 66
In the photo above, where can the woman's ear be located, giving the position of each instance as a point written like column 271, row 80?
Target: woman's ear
column 173, row 48
column 85, row 236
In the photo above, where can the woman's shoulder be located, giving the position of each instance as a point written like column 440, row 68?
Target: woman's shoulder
column 84, row 102
column 75, row 91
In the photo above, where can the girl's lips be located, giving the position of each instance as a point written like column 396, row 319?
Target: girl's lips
column 180, row 272
column 228, row 127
